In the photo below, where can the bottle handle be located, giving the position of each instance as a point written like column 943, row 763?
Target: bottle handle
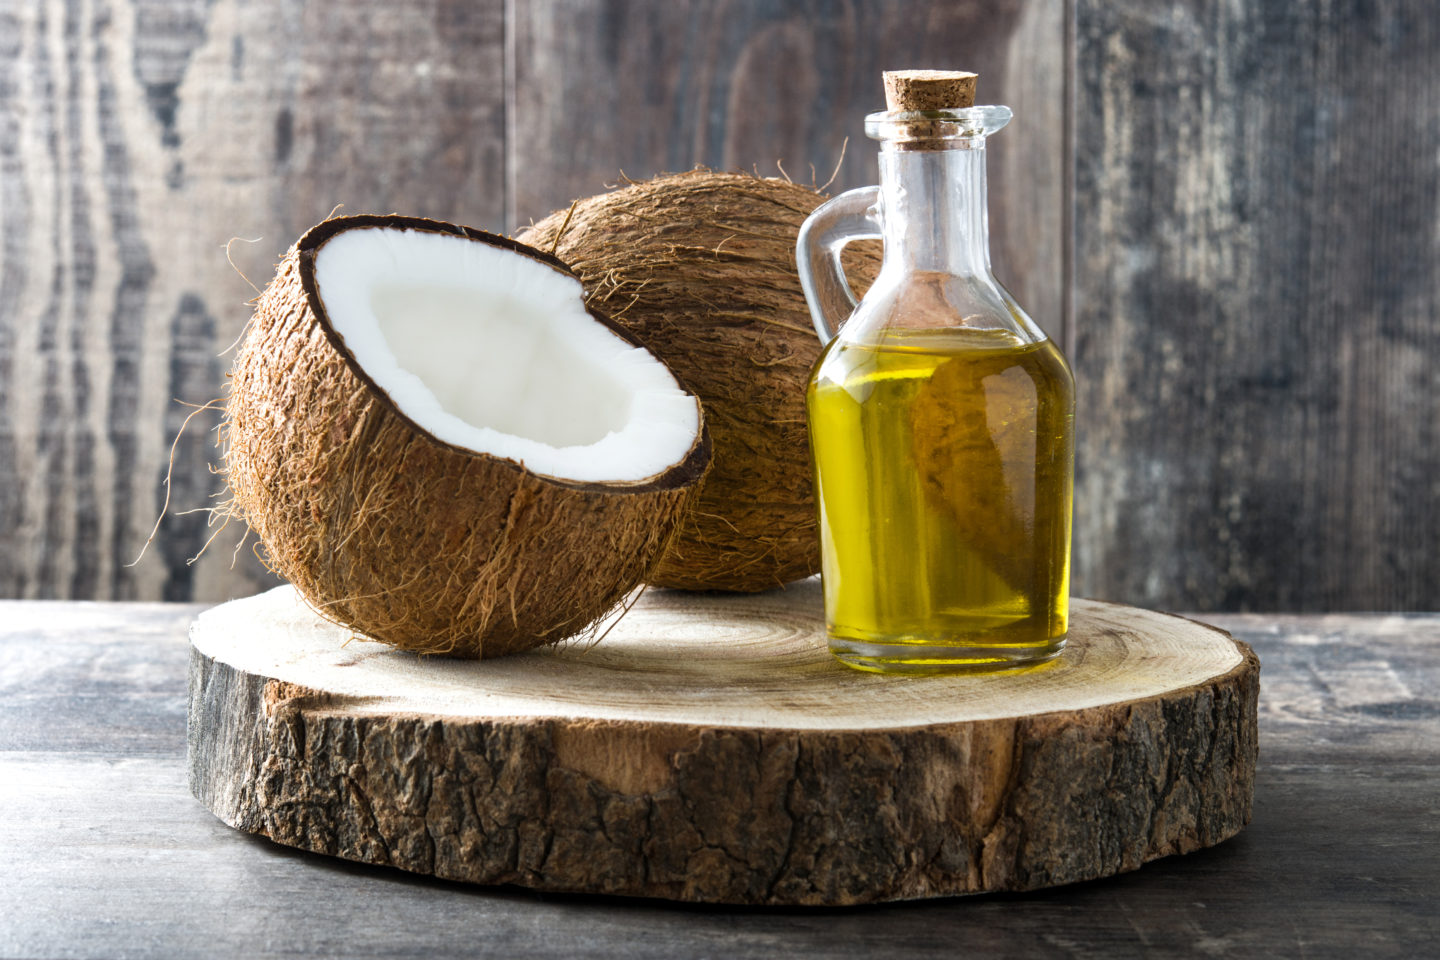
column 853, row 215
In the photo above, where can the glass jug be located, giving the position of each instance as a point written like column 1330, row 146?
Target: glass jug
column 940, row 420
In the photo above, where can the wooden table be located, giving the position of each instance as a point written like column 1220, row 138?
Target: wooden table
column 105, row 853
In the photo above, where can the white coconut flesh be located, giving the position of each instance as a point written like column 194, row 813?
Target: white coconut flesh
column 490, row 350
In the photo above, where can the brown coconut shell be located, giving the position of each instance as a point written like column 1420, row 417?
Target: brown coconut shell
column 381, row 527
column 700, row 267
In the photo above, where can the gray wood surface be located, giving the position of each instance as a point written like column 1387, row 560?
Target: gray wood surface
column 108, row 855
column 1256, row 294
column 645, row 86
column 1251, row 238
column 136, row 138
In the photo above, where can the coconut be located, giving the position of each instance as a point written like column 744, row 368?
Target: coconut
column 700, row 267
column 443, row 448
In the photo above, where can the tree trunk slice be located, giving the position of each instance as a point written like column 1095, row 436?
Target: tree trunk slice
column 710, row 749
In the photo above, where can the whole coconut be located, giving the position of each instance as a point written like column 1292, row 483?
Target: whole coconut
column 700, row 267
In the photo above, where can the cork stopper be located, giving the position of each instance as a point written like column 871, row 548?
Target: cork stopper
column 911, row 90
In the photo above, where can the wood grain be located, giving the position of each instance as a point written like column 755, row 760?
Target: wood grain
column 1256, row 237
column 103, row 839
column 656, row 86
column 136, row 138
column 711, row 750
column 697, row 660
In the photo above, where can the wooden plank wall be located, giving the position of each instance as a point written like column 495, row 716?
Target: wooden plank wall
column 140, row 135
column 646, row 86
column 1253, row 239
column 1257, row 250
column 136, row 138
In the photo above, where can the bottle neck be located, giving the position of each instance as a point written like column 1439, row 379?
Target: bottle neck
column 933, row 210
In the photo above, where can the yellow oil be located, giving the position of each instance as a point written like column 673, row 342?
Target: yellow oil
column 943, row 467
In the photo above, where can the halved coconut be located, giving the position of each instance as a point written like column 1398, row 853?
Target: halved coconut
column 440, row 446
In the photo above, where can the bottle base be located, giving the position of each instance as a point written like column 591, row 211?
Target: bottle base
column 932, row 658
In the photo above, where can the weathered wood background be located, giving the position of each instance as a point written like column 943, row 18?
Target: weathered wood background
column 1228, row 210
column 1257, row 303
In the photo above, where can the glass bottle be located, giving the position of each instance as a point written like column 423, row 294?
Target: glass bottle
column 940, row 419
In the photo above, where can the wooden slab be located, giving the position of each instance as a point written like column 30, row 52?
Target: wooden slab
column 711, row 750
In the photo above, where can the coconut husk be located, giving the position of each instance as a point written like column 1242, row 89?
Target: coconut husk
column 409, row 540
column 700, row 267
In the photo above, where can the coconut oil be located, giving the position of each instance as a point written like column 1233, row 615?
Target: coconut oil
column 943, row 481
column 940, row 413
